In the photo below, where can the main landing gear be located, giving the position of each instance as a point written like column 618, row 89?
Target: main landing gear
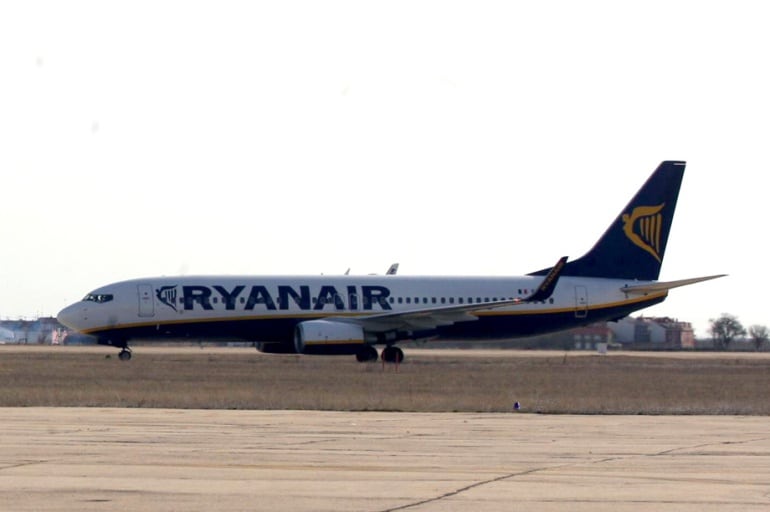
column 389, row 354
column 125, row 354
column 367, row 354
column 392, row 354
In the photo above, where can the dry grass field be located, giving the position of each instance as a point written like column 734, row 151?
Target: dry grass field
column 433, row 381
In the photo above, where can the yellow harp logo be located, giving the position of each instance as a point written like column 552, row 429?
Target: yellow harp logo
column 643, row 227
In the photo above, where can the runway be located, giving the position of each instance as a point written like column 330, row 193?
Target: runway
column 80, row 459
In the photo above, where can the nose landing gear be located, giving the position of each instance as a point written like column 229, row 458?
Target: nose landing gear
column 125, row 352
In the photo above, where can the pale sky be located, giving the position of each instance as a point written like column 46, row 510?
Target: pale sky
column 487, row 138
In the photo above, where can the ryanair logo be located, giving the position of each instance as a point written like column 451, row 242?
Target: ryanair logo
column 643, row 227
column 167, row 295
column 281, row 297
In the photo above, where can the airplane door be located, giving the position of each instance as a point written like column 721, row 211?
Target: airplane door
column 581, row 302
column 146, row 302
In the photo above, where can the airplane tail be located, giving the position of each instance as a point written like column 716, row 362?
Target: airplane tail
column 634, row 244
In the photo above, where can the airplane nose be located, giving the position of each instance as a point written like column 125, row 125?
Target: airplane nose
column 72, row 316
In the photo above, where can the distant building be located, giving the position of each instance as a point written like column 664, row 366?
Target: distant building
column 654, row 333
column 31, row 332
column 592, row 337
column 6, row 335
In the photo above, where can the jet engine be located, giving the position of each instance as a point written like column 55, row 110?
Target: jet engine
column 328, row 337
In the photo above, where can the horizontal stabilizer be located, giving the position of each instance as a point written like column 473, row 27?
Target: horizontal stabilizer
column 665, row 286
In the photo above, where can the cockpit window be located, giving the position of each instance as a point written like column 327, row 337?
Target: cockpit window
column 99, row 298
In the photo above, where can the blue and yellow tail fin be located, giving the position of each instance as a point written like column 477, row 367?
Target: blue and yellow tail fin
column 634, row 244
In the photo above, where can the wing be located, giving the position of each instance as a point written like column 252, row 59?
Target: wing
column 431, row 318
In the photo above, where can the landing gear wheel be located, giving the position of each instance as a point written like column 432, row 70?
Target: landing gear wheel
column 125, row 355
column 392, row 355
column 367, row 354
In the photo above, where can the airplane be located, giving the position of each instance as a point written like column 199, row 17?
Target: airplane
column 355, row 314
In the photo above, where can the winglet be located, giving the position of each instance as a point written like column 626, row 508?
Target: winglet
column 548, row 284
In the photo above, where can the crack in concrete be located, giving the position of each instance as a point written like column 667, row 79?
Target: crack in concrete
column 706, row 445
column 472, row 486
column 22, row 464
column 562, row 466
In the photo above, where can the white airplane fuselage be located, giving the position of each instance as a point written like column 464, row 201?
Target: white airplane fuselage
column 267, row 309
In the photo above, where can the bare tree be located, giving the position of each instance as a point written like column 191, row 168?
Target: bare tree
column 759, row 334
column 725, row 329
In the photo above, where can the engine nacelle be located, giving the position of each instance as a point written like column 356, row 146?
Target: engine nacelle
column 328, row 337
